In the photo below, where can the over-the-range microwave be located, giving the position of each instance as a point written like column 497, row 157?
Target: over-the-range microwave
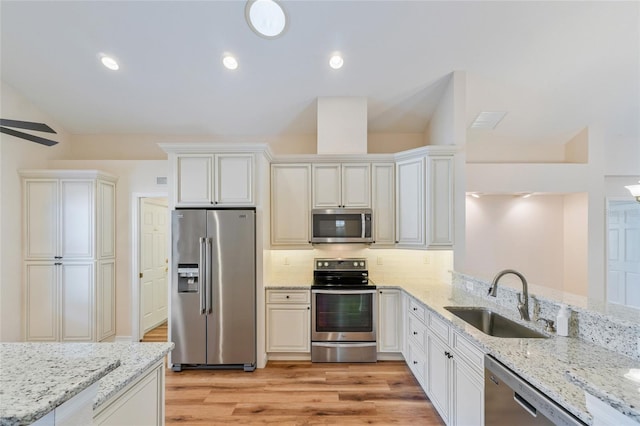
column 341, row 226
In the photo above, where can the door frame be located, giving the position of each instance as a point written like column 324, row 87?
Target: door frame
column 136, row 198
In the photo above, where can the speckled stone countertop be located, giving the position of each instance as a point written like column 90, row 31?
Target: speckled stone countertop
column 561, row 367
column 35, row 378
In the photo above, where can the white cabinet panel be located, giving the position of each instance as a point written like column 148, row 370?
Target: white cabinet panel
column 440, row 201
column 438, row 372
column 41, row 301
column 77, row 217
column 106, row 303
column 41, row 218
column 410, row 207
column 338, row 185
column 468, row 395
column 326, row 186
column 389, row 321
column 290, row 204
column 288, row 328
column 106, row 209
column 356, row 185
column 383, row 204
column 77, row 302
column 194, row 179
column 234, row 179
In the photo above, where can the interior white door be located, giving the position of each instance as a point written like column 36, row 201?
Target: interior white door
column 624, row 253
column 153, row 262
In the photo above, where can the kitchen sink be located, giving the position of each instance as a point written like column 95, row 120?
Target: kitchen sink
column 492, row 323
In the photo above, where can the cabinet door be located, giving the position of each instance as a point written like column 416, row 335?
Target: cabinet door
column 440, row 201
column 77, row 300
column 40, row 199
column 468, row 394
column 438, row 373
column 106, row 299
column 288, row 328
column 389, row 321
column 41, row 301
column 327, row 186
column 410, row 202
column 106, row 209
column 290, row 204
column 194, row 180
column 383, row 204
column 356, row 185
column 77, row 219
column 234, row 179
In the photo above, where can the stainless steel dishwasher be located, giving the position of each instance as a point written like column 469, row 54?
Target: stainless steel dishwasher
column 510, row 400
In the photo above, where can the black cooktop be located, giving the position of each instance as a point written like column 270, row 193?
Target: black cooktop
column 343, row 274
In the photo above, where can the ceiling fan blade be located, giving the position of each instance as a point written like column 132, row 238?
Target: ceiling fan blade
column 27, row 136
column 28, row 125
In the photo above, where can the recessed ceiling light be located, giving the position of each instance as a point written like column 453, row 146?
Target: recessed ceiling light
column 336, row 62
column 265, row 17
column 230, row 62
column 109, row 62
column 488, row 119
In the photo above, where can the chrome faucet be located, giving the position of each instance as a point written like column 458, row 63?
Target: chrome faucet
column 523, row 303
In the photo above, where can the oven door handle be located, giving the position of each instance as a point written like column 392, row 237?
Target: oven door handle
column 344, row 291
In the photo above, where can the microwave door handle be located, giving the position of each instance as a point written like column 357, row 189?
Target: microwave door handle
column 362, row 215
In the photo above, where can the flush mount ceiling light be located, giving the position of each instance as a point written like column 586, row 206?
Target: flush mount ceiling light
column 230, row 62
column 109, row 62
column 336, row 61
column 265, row 17
column 635, row 191
column 488, row 119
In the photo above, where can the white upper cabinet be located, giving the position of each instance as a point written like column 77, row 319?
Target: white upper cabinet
column 214, row 180
column 290, row 204
column 341, row 185
column 410, row 209
column 440, row 201
column 383, row 190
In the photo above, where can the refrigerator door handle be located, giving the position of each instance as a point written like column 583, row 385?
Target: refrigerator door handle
column 209, row 303
column 202, row 271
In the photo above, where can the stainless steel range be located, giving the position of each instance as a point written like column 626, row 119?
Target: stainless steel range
column 344, row 310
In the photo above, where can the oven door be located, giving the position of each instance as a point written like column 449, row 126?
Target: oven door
column 344, row 315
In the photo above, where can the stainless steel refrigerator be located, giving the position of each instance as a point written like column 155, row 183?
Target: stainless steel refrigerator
column 213, row 289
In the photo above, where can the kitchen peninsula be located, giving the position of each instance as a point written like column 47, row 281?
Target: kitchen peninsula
column 38, row 378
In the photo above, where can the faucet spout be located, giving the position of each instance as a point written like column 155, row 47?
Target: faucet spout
column 523, row 298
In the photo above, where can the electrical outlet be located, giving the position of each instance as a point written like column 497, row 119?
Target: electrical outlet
column 426, row 259
column 469, row 285
column 379, row 260
column 286, row 260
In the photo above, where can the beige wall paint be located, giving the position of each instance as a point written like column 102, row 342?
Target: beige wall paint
column 576, row 241
column 134, row 176
column 18, row 154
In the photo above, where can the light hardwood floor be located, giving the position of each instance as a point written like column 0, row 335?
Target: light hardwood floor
column 296, row 393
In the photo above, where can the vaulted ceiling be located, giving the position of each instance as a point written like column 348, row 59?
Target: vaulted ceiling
column 554, row 67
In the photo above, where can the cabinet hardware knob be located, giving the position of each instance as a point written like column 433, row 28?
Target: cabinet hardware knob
column 57, row 257
column 415, row 362
column 58, row 263
column 308, row 308
column 415, row 309
column 415, row 333
column 397, row 242
column 287, row 296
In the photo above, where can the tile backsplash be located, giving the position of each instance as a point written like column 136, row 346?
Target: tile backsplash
column 386, row 266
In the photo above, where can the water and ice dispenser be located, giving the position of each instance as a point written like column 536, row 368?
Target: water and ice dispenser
column 188, row 277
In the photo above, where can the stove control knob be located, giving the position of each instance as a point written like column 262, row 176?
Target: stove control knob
column 355, row 263
column 326, row 263
column 319, row 264
column 362, row 264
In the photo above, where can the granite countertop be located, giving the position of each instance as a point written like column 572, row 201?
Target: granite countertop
column 35, row 378
column 561, row 367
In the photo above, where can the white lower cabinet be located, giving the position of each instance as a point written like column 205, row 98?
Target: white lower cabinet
column 139, row 404
column 389, row 320
column 288, row 321
column 447, row 365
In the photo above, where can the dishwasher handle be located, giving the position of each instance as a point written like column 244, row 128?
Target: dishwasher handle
column 525, row 404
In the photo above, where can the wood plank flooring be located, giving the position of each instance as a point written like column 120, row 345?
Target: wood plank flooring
column 299, row 393
column 296, row 393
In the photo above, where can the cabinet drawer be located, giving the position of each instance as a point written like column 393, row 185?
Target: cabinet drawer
column 439, row 327
column 417, row 331
column 470, row 352
column 418, row 310
column 288, row 296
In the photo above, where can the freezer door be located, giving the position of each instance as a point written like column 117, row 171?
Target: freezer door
column 188, row 321
column 231, row 303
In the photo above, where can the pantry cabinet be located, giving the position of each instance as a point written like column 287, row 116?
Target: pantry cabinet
column 341, row 185
column 288, row 321
column 206, row 180
column 291, row 204
column 68, row 233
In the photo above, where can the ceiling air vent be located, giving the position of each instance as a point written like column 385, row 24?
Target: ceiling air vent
column 488, row 119
column 161, row 180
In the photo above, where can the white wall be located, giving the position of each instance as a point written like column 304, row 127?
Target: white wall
column 134, row 176
column 18, row 154
column 575, row 226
